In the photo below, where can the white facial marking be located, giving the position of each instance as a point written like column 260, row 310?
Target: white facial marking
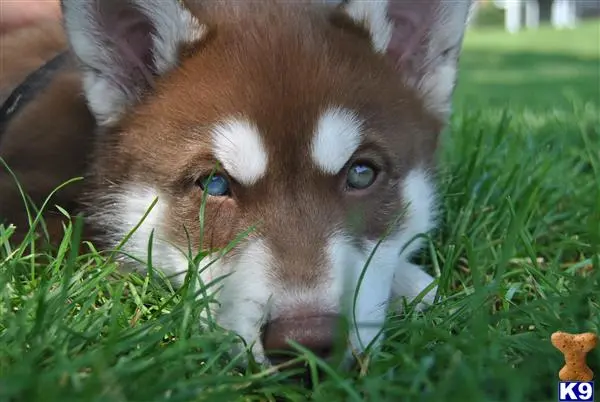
column 245, row 295
column 338, row 136
column 244, row 292
column 125, row 210
column 367, row 316
column 239, row 147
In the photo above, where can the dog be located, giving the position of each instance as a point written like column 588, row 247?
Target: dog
column 310, row 127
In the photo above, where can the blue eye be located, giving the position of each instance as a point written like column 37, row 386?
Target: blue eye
column 360, row 176
column 216, row 185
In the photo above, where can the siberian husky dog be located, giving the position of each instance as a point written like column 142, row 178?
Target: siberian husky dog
column 312, row 123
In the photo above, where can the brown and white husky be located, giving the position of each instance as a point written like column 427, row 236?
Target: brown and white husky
column 314, row 122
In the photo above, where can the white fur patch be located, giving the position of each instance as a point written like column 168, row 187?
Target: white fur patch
column 239, row 147
column 125, row 210
column 245, row 295
column 367, row 316
column 419, row 194
column 337, row 137
column 128, row 207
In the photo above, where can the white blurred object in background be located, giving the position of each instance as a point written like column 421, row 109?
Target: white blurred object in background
column 563, row 13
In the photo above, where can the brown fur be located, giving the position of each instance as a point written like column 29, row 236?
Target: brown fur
column 246, row 68
column 295, row 205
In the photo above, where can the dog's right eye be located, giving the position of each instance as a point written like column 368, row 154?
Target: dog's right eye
column 216, row 185
column 360, row 176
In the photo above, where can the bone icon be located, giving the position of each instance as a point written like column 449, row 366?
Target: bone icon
column 575, row 347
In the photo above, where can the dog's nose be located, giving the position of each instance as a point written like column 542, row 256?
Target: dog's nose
column 316, row 333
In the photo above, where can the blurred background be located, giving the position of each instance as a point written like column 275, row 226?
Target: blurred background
column 530, row 54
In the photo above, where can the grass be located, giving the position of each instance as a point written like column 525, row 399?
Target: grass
column 518, row 256
column 539, row 70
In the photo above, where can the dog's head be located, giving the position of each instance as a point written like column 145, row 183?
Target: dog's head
column 313, row 123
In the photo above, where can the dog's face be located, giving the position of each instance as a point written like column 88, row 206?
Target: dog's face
column 314, row 125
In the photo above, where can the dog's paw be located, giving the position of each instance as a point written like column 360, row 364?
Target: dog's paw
column 410, row 281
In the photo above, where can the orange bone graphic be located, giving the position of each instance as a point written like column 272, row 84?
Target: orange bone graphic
column 575, row 347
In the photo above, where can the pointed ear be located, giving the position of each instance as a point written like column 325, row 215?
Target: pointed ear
column 123, row 44
column 423, row 38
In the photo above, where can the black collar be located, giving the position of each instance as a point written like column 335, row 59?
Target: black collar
column 27, row 90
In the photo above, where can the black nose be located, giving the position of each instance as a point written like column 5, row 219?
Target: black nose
column 319, row 334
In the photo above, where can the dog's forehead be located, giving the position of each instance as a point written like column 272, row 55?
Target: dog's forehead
column 296, row 96
column 285, row 89
column 323, row 144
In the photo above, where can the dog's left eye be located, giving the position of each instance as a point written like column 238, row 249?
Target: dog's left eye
column 361, row 176
column 216, row 185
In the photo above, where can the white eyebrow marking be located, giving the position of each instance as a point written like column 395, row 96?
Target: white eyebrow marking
column 337, row 137
column 239, row 147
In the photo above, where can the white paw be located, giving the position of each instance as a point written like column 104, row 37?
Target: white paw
column 409, row 281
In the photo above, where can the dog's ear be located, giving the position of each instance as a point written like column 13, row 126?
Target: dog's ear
column 423, row 38
column 123, row 44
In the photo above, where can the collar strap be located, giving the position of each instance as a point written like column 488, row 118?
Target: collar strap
column 28, row 89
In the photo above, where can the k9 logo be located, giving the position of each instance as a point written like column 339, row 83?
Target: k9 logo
column 576, row 391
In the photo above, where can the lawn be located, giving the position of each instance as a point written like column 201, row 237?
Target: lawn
column 517, row 255
column 539, row 70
